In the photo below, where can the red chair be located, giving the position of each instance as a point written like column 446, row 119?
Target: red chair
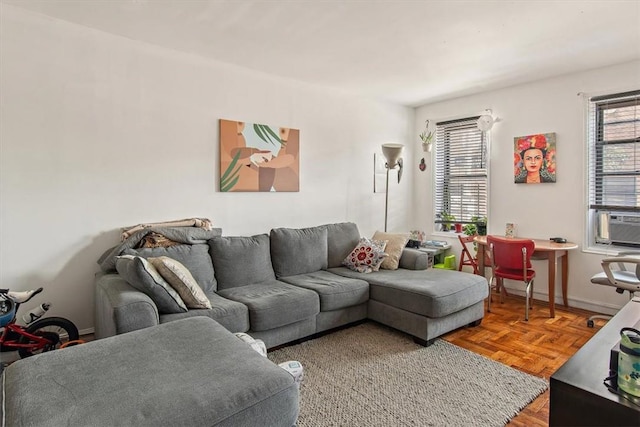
column 511, row 259
column 466, row 258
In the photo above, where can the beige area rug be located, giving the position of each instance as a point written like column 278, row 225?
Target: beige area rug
column 370, row 375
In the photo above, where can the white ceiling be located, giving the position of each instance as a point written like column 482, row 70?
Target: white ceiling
column 407, row 52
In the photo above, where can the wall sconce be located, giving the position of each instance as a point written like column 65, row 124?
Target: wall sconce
column 486, row 121
column 391, row 154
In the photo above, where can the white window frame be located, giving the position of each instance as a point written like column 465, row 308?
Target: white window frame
column 597, row 222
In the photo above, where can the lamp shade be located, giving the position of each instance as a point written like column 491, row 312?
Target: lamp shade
column 392, row 153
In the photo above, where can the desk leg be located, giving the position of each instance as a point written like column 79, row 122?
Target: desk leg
column 565, row 276
column 551, row 257
column 480, row 272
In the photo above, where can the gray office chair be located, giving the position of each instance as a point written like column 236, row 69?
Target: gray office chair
column 620, row 278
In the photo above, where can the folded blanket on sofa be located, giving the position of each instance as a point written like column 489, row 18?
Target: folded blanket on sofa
column 186, row 235
column 187, row 222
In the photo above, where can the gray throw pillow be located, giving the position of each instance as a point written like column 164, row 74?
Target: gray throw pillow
column 298, row 251
column 144, row 277
column 241, row 261
column 194, row 257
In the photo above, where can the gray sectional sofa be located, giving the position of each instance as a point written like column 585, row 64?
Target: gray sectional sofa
column 151, row 367
column 291, row 284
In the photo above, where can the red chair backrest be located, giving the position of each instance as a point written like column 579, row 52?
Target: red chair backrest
column 467, row 258
column 507, row 251
column 466, row 239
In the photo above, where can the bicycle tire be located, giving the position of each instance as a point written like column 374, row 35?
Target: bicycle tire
column 48, row 327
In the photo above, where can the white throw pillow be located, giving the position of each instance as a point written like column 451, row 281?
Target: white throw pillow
column 180, row 279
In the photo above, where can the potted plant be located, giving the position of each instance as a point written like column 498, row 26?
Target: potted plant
column 447, row 220
column 470, row 229
column 427, row 137
column 481, row 225
column 477, row 226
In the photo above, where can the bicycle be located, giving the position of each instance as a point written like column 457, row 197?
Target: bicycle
column 44, row 334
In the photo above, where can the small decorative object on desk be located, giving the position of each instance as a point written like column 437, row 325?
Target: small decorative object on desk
column 510, row 230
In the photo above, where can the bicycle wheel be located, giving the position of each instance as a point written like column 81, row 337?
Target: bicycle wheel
column 56, row 329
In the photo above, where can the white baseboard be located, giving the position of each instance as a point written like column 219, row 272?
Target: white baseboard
column 87, row 331
column 596, row 307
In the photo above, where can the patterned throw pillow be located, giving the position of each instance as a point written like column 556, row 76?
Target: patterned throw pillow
column 381, row 245
column 182, row 281
column 367, row 256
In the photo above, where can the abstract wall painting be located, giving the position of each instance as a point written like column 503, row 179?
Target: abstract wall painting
column 258, row 157
column 534, row 158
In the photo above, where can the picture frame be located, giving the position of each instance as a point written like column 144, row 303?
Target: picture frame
column 534, row 158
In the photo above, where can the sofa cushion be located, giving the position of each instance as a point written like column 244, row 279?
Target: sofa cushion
column 415, row 259
column 241, row 261
column 234, row 316
column 367, row 256
column 335, row 291
column 341, row 239
column 143, row 276
column 431, row 293
column 182, row 281
column 395, row 244
column 191, row 372
column 274, row 303
column 195, row 257
column 298, row 251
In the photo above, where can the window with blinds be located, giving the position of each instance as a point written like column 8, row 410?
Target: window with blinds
column 614, row 167
column 460, row 173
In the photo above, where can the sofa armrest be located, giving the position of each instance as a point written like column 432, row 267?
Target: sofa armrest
column 120, row 307
column 413, row 259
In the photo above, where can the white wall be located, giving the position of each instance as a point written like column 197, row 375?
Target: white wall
column 100, row 132
column 544, row 210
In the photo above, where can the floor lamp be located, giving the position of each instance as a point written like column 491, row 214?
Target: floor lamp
column 391, row 154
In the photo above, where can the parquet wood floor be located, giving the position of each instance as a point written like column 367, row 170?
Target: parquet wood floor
column 538, row 347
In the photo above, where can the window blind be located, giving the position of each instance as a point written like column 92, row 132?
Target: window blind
column 460, row 171
column 614, row 152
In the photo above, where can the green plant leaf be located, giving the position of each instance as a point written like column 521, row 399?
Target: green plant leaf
column 230, row 177
column 258, row 130
column 261, row 131
column 268, row 135
column 273, row 134
column 230, row 185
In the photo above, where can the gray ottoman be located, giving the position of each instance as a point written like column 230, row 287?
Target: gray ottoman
column 190, row 372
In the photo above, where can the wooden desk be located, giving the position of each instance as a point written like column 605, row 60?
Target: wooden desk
column 544, row 249
column 578, row 397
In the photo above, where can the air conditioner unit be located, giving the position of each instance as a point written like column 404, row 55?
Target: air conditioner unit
column 624, row 229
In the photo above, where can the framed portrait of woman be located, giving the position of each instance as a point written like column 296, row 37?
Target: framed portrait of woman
column 534, row 158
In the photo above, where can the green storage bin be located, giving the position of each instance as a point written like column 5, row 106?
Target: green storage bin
column 448, row 264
